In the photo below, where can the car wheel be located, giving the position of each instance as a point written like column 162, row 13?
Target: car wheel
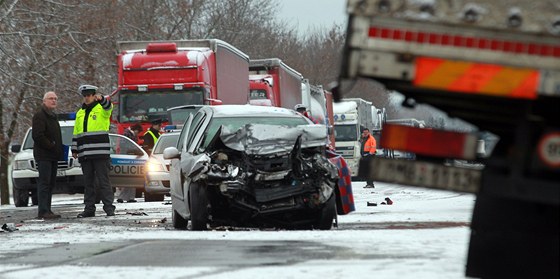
column 199, row 207
column 327, row 215
column 21, row 197
column 152, row 197
column 178, row 221
column 34, row 198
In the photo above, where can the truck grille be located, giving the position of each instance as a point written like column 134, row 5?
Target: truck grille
column 345, row 151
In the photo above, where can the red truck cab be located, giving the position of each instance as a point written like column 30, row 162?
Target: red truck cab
column 154, row 76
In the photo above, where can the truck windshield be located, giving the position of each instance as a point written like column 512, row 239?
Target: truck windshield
column 146, row 106
column 67, row 134
column 257, row 94
column 346, row 132
column 178, row 116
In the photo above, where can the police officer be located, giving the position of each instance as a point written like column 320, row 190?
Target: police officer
column 92, row 148
column 151, row 136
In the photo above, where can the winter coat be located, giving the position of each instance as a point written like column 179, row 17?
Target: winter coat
column 47, row 137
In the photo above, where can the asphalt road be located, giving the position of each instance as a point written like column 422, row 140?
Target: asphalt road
column 424, row 231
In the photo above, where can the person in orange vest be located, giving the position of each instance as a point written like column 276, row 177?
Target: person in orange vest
column 369, row 146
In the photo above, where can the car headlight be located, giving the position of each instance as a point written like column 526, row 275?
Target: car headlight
column 155, row 165
column 21, row 165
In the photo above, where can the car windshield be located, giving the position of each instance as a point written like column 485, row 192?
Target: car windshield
column 146, row 106
column 257, row 94
column 66, row 131
column 346, row 132
column 164, row 142
column 234, row 123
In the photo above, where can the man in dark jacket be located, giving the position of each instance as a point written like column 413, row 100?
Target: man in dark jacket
column 47, row 150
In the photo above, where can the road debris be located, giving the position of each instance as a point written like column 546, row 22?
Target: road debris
column 9, row 227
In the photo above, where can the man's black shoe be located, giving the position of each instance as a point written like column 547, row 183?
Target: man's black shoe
column 86, row 214
column 48, row 215
column 120, row 200
column 110, row 213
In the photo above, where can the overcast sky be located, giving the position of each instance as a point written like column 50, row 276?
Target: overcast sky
column 313, row 14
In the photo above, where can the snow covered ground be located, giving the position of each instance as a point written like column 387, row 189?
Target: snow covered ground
column 423, row 234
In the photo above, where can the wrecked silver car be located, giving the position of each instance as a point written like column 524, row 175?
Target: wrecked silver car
column 251, row 166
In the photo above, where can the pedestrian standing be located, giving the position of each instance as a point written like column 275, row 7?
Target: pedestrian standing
column 368, row 148
column 151, row 136
column 128, row 193
column 47, row 150
column 92, row 148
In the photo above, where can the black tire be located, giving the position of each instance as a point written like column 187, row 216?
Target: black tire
column 152, row 197
column 327, row 215
column 21, row 197
column 34, row 197
column 198, row 201
column 178, row 221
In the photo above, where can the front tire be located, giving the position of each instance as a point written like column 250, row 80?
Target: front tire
column 198, row 201
column 21, row 197
column 152, row 197
column 327, row 215
column 178, row 221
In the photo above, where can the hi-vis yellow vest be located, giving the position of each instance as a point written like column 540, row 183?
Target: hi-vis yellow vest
column 91, row 131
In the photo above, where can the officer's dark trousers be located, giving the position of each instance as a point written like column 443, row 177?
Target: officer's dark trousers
column 97, row 171
column 45, row 185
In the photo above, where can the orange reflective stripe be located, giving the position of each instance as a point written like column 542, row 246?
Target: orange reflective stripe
column 476, row 78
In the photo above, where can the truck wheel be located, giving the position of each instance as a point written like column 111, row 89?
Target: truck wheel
column 152, row 197
column 327, row 215
column 21, row 197
column 199, row 207
column 178, row 221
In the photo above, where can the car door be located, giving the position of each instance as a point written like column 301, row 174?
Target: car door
column 175, row 181
column 128, row 161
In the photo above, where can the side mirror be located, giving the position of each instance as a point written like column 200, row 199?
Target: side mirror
column 16, row 148
column 171, row 153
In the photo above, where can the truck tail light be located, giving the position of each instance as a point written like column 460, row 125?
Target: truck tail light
column 429, row 142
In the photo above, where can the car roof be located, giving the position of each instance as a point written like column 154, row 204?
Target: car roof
column 251, row 110
column 170, row 134
column 66, row 123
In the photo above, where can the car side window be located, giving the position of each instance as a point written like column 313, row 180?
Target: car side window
column 123, row 146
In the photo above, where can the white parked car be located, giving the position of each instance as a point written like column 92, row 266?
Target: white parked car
column 157, row 168
column 128, row 160
column 24, row 173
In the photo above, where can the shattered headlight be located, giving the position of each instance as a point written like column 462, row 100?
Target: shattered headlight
column 154, row 165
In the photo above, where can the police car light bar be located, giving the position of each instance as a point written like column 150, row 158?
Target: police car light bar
column 66, row 116
column 429, row 142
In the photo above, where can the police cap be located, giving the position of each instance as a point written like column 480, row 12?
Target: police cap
column 87, row 89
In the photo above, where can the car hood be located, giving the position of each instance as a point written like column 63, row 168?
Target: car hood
column 262, row 139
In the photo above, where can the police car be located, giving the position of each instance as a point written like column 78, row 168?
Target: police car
column 128, row 160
